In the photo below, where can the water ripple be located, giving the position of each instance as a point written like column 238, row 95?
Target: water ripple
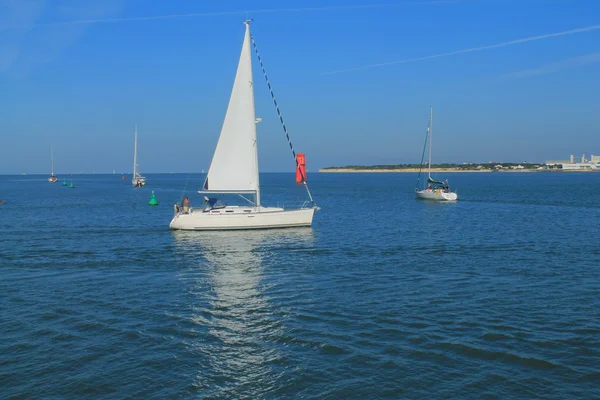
column 485, row 298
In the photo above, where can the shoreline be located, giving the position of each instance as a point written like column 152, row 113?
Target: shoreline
column 448, row 170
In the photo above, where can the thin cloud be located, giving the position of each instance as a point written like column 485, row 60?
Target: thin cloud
column 555, row 67
column 471, row 50
column 246, row 12
column 24, row 48
column 16, row 20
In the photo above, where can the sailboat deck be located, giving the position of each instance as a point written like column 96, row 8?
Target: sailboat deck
column 236, row 210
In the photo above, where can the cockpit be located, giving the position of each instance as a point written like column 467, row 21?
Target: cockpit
column 212, row 203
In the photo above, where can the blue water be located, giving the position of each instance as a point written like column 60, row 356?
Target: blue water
column 494, row 296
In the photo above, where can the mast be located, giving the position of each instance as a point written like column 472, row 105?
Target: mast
column 52, row 160
column 135, row 153
column 430, row 129
column 247, row 40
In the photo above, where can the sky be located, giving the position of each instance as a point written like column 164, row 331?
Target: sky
column 509, row 80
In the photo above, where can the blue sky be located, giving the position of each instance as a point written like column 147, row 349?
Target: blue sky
column 79, row 75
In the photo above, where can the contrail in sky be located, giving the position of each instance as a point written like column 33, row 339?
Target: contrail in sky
column 248, row 12
column 470, row 50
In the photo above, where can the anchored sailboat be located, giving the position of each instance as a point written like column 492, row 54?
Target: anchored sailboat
column 52, row 178
column 234, row 167
column 434, row 190
column 137, row 180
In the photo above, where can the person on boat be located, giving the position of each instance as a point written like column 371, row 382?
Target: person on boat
column 185, row 204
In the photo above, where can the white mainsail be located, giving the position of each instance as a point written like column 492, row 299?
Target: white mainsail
column 234, row 166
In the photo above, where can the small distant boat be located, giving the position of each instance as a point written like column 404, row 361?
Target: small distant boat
column 52, row 178
column 137, row 180
column 434, row 190
column 234, row 169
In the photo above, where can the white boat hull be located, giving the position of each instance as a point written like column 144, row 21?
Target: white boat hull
column 138, row 180
column 436, row 195
column 236, row 218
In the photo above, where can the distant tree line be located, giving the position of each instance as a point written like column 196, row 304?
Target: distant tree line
column 462, row 167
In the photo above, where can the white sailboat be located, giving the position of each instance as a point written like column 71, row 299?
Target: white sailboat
column 234, row 169
column 434, row 190
column 52, row 178
column 137, row 180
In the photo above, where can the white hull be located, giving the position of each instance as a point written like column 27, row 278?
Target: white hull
column 436, row 195
column 138, row 182
column 234, row 218
column 52, row 179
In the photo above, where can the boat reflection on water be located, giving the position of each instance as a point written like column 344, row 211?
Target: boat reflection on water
column 228, row 276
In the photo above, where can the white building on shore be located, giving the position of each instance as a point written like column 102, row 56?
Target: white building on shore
column 585, row 165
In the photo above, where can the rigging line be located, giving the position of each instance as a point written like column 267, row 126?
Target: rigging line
column 247, row 199
column 281, row 119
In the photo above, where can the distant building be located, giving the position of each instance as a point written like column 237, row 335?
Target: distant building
column 577, row 166
column 571, row 165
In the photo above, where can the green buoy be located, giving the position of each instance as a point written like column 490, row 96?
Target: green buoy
column 65, row 182
column 153, row 201
column 71, row 185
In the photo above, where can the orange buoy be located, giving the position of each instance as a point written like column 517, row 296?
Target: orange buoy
column 300, row 168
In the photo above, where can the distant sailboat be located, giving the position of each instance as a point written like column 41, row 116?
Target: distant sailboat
column 52, row 178
column 234, row 169
column 434, row 190
column 137, row 180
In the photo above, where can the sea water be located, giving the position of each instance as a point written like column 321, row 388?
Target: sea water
column 494, row 296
